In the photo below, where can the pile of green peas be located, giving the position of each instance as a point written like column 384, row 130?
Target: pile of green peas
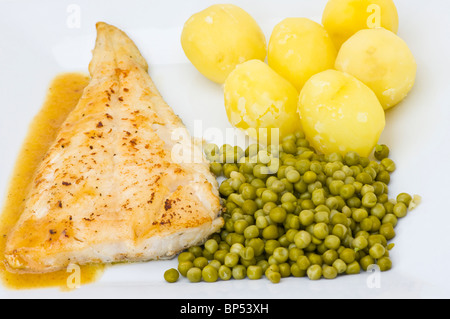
column 290, row 211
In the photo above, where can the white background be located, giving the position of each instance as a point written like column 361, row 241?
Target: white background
column 38, row 39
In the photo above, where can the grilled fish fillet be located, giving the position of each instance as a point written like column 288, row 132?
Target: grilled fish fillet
column 109, row 189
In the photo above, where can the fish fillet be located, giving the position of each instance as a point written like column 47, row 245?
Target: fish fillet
column 109, row 188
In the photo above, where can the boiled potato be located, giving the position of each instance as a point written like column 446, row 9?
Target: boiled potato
column 343, row 18
column 300, row 48
column 340, row 114
column 256, row 97
column 220, row 37
column 382, row 61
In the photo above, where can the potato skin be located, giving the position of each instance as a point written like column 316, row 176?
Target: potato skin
column 381, row 60
column 220, row 37
column 340, row 114
column 300, row 48
column 343, row 18
column 258, row 97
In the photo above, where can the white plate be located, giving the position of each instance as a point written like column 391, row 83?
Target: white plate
column 42, row 38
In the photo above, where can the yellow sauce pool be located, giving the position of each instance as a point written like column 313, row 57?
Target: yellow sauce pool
column 63, row 94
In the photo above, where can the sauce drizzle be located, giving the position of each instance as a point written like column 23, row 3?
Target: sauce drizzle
column 63, row 94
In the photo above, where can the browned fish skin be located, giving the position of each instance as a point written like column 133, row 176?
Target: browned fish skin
column 108, row 189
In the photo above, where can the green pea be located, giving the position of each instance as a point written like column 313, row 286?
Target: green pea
column 309, row 177
column 404, row 198
column 240, row 225
column 231, row 260
column 347, row 191
column 289, row 146
column 186, row 256
column 377, row 251
column 200, row 262
column 252, row 150
column 329, row 272
column 384, row 263
column 318, row 196
column 220, row 255
column 269, row 196
column 261, row 222
column 258, row 183
column 216, row 168
column 369, row 200
column 377, row 239
column 249, row 207
column 390, row 218
column 340, row 231
column 247, row 253
column 270, row 232
column 306, row 217
column 340, row 266
column 332, row 242
column 315, row 258
column 254, row 272
column 384, row 177
column 251, row 231
column 184, row 266
column 366, row 224
column 347, row 255
column 281, row 254
column 273, row 276
column 288, row 197
column 307, row 203
column 285, row 270
column 237, row 199
column 359, row 214
column 278, row 214
column 270, row 245
column 352, row 158
column 229, row 167
column 388, row 165
column 339, row 218
column 277, row 186
column 302, row 239
column 381, row 152
column 293, row 176
column 233, row 238
column 224, row 272
column 360, row 242
column 257, row 244
column 296, row 271
column 364, row 178
column 366, row 261
column 210, row 274
column 335, row 186
column 215, row 263
column 239, row 272
column 303, row 262
column 294, row 253
column 171, row 275
column 387, row 230
column 260, row 171
column 353, row 268
column 321, row 216
column 314, row 272
column 194, row 274
column 330, row 256
column 320, row 231
column 378, row 211
column 400, row 210
column 268, row 207
column 211, row 245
